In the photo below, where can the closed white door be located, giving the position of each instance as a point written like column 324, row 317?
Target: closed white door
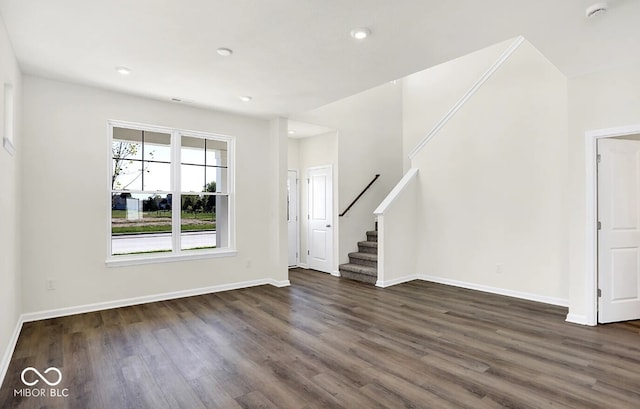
column 292, row 216
column 320, row 218
column 619, row 230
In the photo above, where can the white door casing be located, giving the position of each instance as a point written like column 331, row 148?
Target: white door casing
column 292, row 217
column 619, row 229
column 320, row 219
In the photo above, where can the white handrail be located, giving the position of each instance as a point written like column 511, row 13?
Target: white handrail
column 474, row 88
column 396, row 191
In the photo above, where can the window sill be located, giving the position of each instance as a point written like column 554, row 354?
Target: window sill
column 122, row 261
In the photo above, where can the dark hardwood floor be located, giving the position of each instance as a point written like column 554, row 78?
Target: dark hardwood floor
column 327, row 342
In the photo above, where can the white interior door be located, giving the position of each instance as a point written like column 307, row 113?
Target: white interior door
column 320, row 219
column 292, row 216
column 619, row 230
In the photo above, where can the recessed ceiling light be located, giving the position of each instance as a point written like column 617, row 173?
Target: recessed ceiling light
column 291, row 132
column 360, row 33
column 123, row 70
column 224, row 52
column 597, row 8
column 246, row 98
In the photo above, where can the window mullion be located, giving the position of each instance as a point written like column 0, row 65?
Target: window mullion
column 142, row 161
column 176, row 191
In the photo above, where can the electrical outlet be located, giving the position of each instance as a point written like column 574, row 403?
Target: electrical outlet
column 51, row 284
column 499, row 268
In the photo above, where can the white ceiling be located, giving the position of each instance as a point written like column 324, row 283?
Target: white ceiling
column 299, row 129
column 295, row 55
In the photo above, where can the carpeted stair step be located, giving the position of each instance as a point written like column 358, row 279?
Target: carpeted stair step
column 363, row 264
column 364, row 259
column 358, row 272
column 370, row 247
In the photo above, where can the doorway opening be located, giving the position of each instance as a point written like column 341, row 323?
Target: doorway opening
column 320, row 218
column 612, row 272
column 293, row 216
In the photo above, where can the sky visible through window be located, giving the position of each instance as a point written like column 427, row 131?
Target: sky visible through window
column 157, row 176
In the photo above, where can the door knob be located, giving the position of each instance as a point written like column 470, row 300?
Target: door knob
column 328, row 225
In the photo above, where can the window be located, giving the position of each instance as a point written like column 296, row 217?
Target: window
column 170, row 192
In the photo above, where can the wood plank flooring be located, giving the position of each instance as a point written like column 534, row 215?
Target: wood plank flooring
column 327, row 342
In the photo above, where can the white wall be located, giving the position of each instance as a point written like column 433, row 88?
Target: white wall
column 397, row 232
column 600, row 100
column 314, row 151
column 492, row 185
column 439, row 88
column 65, row 202
column 369, row 128
column 10, row 282
column 293, row 148
column 277, row 228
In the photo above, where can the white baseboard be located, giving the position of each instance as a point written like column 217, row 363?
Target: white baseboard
column 61, row 312
column 336, row 273
column 279, row 284
column 494, row 290
column 395, row 281
column 8, row 353
column 303, row 265
column 579, row 319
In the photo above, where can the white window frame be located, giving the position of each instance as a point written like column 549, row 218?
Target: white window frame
column 176, row 254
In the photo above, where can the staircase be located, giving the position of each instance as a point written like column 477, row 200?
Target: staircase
column 363, row 264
